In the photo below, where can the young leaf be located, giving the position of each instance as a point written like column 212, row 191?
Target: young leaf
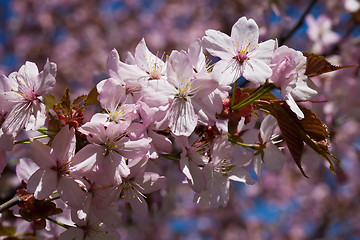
column 92, row 97
column 309, row 130
column 290, row 134
column 317, row 65
column 78, row 100
column 50, row 101
column 64, row 104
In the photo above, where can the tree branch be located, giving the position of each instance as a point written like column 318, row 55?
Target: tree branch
column 282, row 40
column 12, row 202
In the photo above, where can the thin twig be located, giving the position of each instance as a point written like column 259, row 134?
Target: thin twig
column 12, row 202
column 299, row 23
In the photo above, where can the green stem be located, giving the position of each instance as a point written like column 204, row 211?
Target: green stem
column 256, row 95
column 170, row 157
column 45, row 130
column 52, row 199
column 252, row 146
column 27, row 141
column 233, row 94
column 59, row 223
column 55, row 121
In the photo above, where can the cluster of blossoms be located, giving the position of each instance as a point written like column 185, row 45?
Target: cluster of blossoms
column 152, row 110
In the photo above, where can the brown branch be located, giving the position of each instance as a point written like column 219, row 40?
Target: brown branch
column 282, row 40
column 12, row 202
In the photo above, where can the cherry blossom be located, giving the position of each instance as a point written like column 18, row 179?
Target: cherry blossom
column 240, row 53
column 21, row 96
column 109, row 150
column 188, row 93
column 288, row 67
column 268, row 154
column 320, row 32
column 138, row 183
column 218, row 172
column 54, row 171
column 173, row 117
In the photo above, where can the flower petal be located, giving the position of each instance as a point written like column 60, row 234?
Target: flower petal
column 267, row 127
column 256, row 71
column 227, row 71
column 245, row 32
column 41, row 155
column 151, row 182
column 46, row 79
column 64, row 144
column 71, row 193
column 293, row 106
column 239, row 174
column 182, row 117
column 219, row 44
column 274, row 159
column 42, row 183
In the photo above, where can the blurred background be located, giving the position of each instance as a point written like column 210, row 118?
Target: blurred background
column 78, row 35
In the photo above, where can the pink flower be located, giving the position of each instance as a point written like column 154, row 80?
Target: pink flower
column 192, row 160
column 222, row 168
column 134, row 187
column 191, row 95
column 112, row 97
column 109, row 150
column 288, row 72
column 319, row 31
column 240, row 53
column 54, row 171
column 22, row 96
column 137, row 72
column 269, row 154
column 88, row 228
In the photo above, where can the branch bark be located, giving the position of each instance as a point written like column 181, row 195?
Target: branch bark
column 12, row 202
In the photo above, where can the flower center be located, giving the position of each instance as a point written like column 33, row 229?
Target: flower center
column 118, row 115
column 224, row 167
column 241, row 58
column 110, row 145
column 130, row 190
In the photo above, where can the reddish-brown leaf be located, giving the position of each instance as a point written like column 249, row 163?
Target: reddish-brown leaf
column 317, row 65
column 64, row 104
column 79, row 100
column 310, row 130
column 290, row 134
column 92, row 97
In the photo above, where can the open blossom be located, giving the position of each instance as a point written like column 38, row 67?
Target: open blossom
column 112, row 97
column 21, row 96
column 138, row 183
column 87, row 228
column 190, row 95
column 269, row 154
column 54, row 171
column 137, row 72
column 319, row 31
column 192, row 160
column 222, row 168
column 240, row 53
column 288, row 72
column 109, row 150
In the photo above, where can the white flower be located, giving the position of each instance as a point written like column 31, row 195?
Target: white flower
column 219, row 171
column 240, row 53
column 22, row 96
column 288, row 72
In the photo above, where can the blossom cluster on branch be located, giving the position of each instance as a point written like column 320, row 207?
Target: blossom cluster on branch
column 180, row 108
